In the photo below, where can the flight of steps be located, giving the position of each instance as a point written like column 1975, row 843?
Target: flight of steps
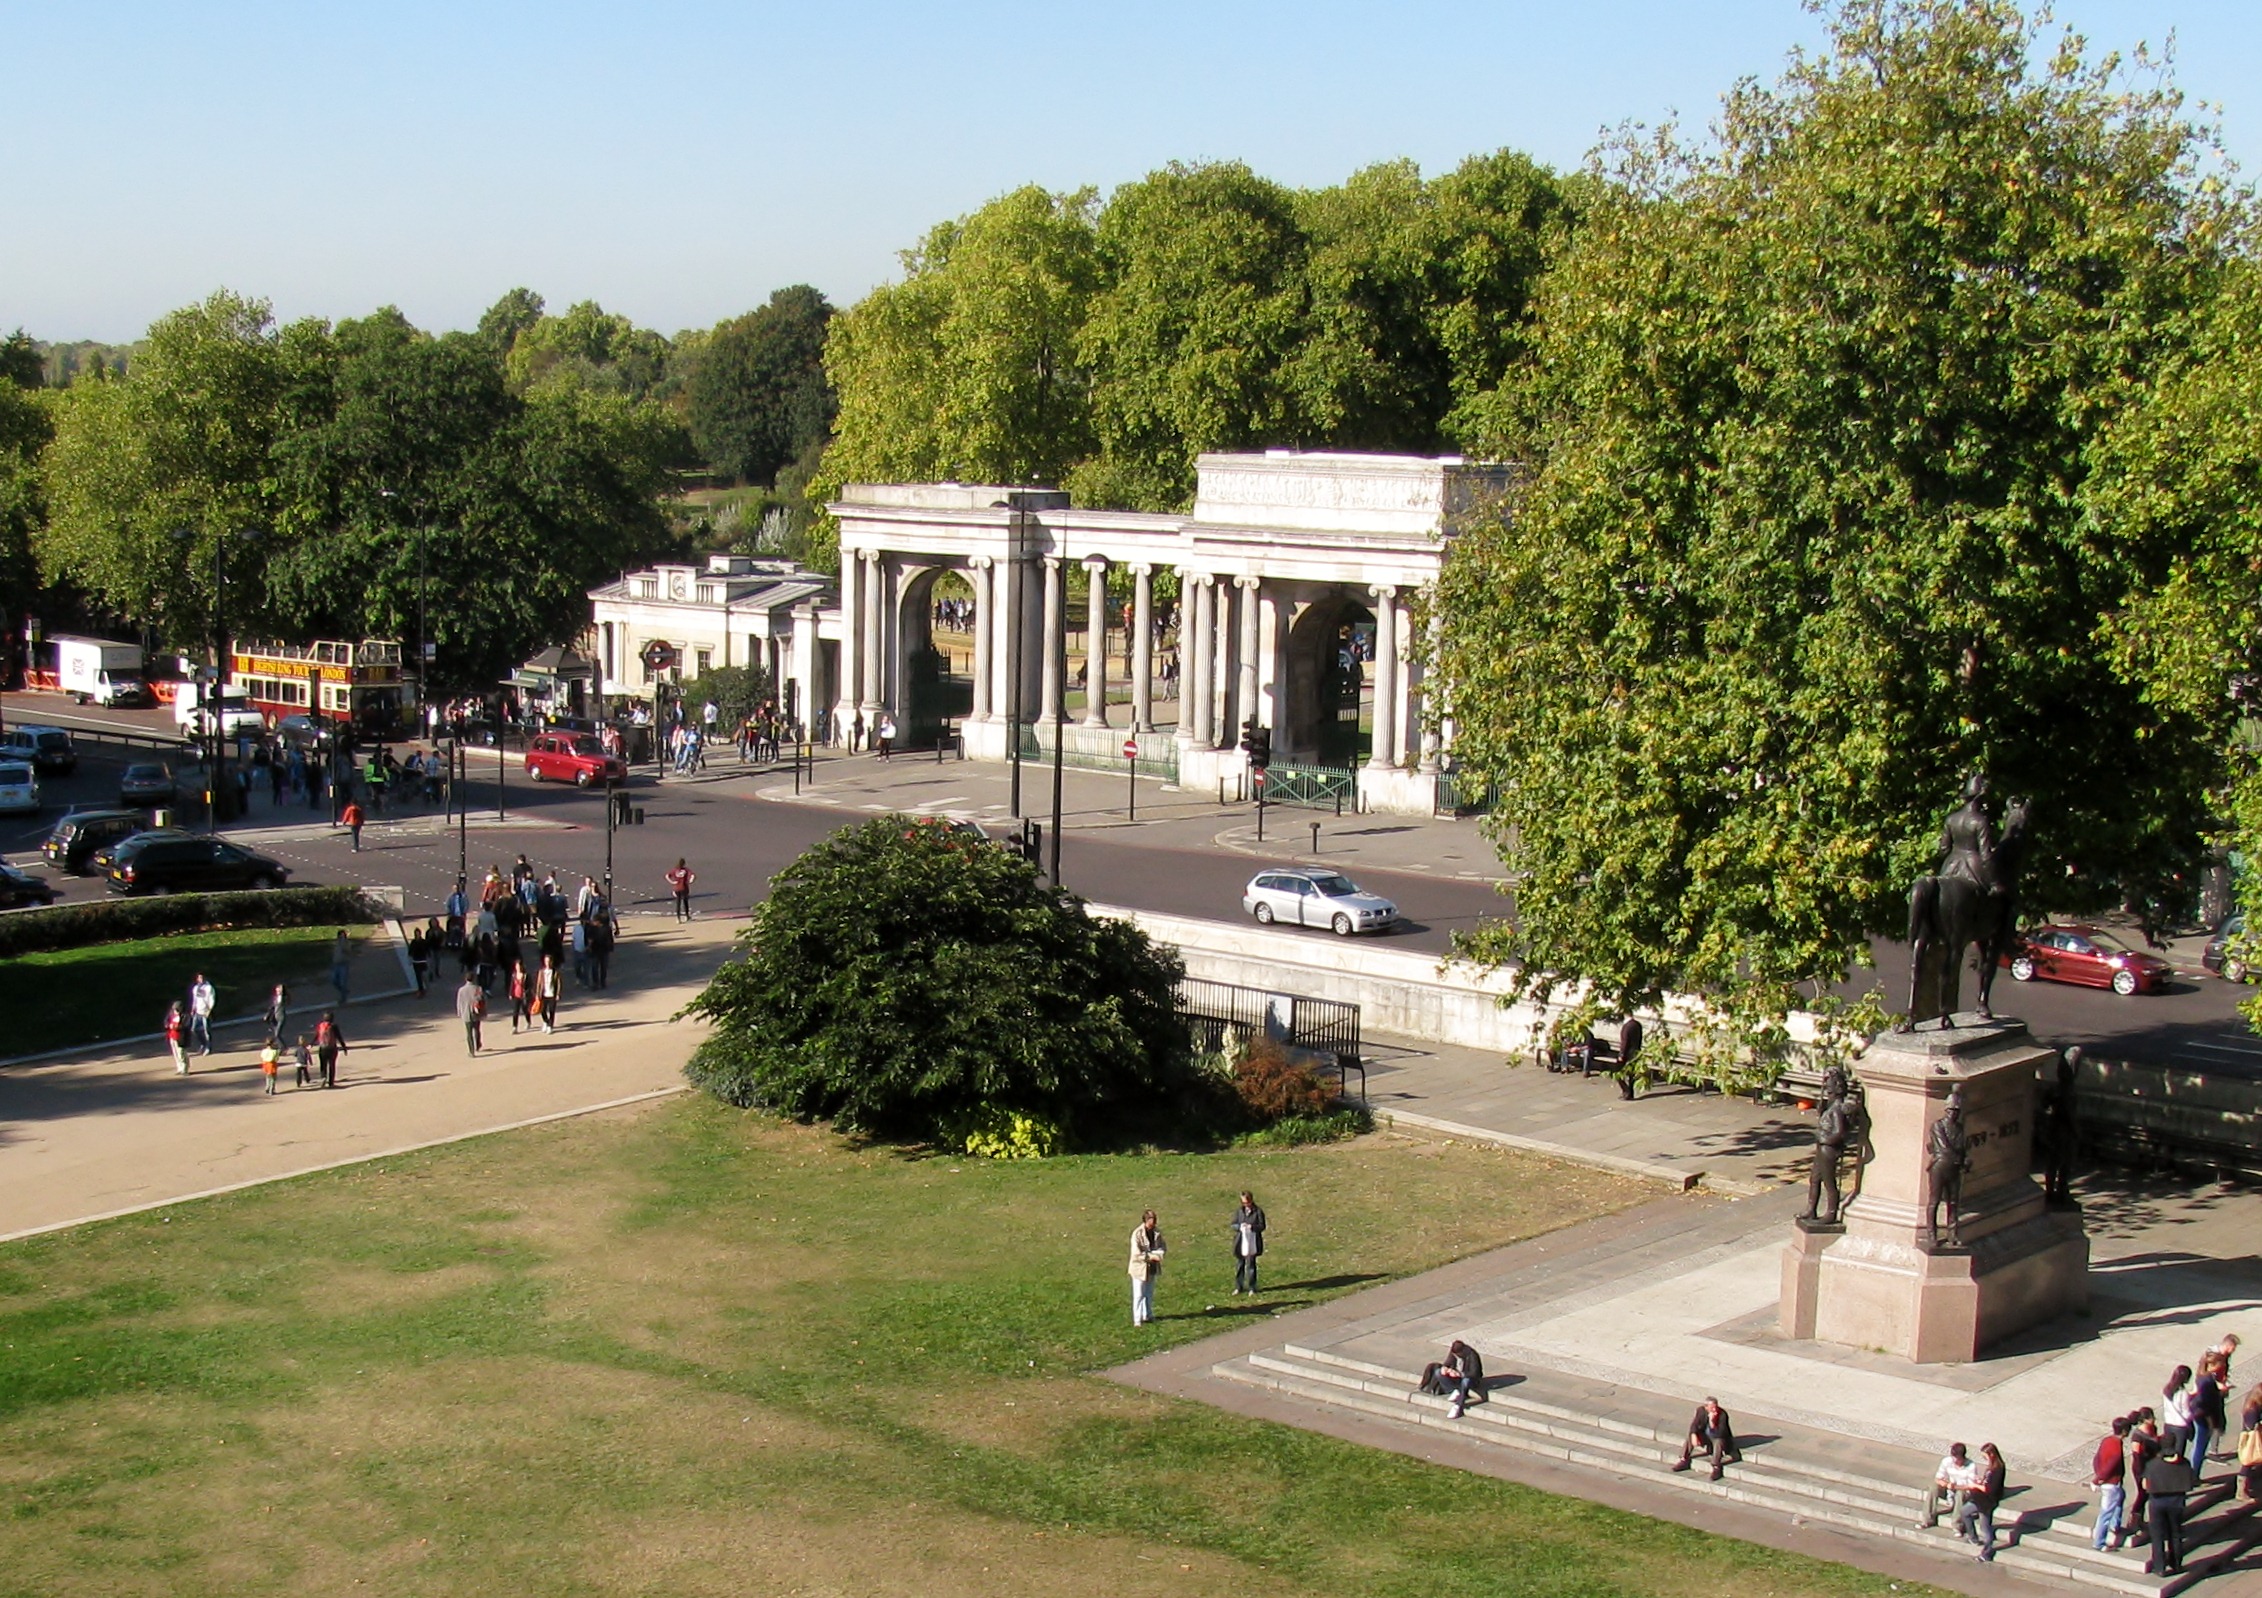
column 2218, row 1529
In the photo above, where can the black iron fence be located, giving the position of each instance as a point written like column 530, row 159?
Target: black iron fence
column 1324, row 1026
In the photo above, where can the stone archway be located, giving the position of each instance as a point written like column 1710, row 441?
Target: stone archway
column 1324, row 684
column 929, row 691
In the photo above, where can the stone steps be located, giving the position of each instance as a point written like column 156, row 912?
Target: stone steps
column 2053, row 1547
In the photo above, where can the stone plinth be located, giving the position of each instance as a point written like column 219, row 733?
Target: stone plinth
column 1882, row 1284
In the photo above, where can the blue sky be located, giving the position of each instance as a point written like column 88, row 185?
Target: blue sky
column 677, row 160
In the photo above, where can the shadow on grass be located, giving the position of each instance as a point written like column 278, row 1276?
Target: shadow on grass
column 1328, row 1284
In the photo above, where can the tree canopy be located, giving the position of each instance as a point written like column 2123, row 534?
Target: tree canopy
column 758, row 396
column 911, row 981
column 1805, row 525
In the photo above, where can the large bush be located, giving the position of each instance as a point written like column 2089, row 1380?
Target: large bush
column 74, row 926
column 910, row 981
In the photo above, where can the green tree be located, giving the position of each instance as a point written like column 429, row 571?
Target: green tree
column 1798, row 536
column 502, row 322
column 737, row 692
column 907, row 981
column 758, row 396
column 26, row 427
column 967, row 368
column 1204, row 307
column 21, row 363
column 180, row 446
column 590, row 347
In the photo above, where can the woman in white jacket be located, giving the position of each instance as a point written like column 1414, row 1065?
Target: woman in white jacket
column 1146, row 1265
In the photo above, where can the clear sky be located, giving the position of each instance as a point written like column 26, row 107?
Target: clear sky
column 678, row 160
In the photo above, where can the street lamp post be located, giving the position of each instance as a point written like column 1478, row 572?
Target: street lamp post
column 1060, row 725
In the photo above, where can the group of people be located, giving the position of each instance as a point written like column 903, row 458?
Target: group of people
column 1245, row 1232
column 188, row 1026
column 1971, row 1490
column 515, row 936
column 878, row 737
column 2154, row 1457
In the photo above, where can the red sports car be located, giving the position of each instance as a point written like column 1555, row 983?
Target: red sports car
column 2089, row 956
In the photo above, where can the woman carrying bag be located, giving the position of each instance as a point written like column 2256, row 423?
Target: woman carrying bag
column 1146, row 1265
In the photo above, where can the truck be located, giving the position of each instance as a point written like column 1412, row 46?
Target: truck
column 197, row 707
column 101, row 671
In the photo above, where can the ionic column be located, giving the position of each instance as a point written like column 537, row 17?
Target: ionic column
column 1142, row 649
column 978, row 570
column 1223, row 718
column 1006, row 662
column 875, row 644
column 1056, row 640
column 1386, row 680
column 1095, row 642
column 1194, row 628
column 1249, row 609
column 850, row 689
column 1408, row 701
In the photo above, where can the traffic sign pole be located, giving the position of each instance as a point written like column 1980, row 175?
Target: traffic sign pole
column 1259, row 777
column 1131, row 771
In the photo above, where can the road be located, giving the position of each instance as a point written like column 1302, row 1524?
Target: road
column 736, row 842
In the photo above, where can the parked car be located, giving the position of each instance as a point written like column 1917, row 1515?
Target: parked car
column 48, row 749
column 19, row 789
column 19, row 888
column 2218, row 958
column 571, row 757
column 2088, row 956
column 146, row 784
column 79, row 837
column 1316, row 899
column 185, row 862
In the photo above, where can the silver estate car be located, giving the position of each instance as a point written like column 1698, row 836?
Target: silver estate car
column 1316, row 898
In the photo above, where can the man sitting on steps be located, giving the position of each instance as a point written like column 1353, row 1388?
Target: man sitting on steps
column 1711, row 1434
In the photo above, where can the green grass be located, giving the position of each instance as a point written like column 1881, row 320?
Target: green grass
column 120, row 990
column 688, row 1351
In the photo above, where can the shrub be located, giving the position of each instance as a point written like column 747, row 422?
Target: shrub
column 74, row 926
column 1293, row 1131
column 905, row 980
column 1009, row 1135
column 1273, row 1085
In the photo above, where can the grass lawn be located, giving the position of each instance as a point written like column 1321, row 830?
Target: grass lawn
column 120, row 990
column 679, row 1350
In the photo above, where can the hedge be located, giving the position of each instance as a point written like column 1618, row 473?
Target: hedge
column 74, row 926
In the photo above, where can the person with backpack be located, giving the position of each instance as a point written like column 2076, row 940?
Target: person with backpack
column 471, row 1010
column 680, row 880
column 329, row 1043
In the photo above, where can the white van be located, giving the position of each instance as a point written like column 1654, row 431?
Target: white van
column 194, row 707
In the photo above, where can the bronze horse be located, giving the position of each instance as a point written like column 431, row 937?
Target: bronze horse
column 1970, row 902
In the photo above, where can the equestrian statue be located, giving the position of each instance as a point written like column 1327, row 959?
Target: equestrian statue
column 1970, row 902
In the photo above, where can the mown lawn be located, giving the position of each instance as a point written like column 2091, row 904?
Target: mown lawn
column 120, row 990
column 682, row 1350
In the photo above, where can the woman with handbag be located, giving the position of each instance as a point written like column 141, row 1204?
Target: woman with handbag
column 1146, row 1265
column 2250, row 1443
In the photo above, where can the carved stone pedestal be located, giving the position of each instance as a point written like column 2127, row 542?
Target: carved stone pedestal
column 1884, row 1283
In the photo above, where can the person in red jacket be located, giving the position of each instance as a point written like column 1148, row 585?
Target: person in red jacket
column 679, row 883
column 176, row 1028
column 353, row 819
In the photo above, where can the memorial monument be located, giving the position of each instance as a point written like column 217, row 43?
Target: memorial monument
column 1949, row 1246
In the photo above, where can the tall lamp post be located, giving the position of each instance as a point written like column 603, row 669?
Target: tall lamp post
column 1012, row 645
column 217, row 625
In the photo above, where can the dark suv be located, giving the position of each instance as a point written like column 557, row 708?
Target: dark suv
column 76, row 839
column 184, row 862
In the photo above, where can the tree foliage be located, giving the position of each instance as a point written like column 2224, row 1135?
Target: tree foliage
column 1802, row 530
column 758, row 396
column 908, row 981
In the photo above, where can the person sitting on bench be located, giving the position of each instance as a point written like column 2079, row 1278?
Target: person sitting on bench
column 1454, row 1376
column 1711, row 1434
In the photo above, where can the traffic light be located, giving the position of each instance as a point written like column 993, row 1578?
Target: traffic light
column 1249, row 737
column 1260, row 748
column 1029, row 842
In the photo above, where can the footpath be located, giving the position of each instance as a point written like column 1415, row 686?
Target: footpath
column 115, row 1130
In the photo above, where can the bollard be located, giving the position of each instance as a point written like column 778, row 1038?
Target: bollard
column 1315, row 838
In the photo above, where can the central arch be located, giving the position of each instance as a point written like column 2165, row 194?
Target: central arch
column 1325, row 681
column 933, row 690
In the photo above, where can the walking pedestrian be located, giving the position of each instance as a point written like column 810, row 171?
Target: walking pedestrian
column 601, row 945
column 886, row 732
column 419, row 958
column 546, row 992
column 2207, row 1417
column 329, row 1043
column 278, row 1012
column 856, row 733
column 2250, row 1443
column 2108, row 1473
column 352, row 820
column 341, row 963
column 471, row 1010
column 1146, row 1265
column 522, row 999
column 270, row 1062
column 680, row 880
column 1248, row 1232
column 176, row 1029
column 2144, row 1445
column 305, row 1059
column 2175, row 1410
column 1975, row 1521
column 201, row 1002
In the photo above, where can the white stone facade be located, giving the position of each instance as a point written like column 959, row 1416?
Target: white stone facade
column 733, row 611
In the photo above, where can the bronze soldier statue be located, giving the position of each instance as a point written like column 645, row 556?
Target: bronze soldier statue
column 1947, row 1150
column 1833, row 1126
column 1968, row 903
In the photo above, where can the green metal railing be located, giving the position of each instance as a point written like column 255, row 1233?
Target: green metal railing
column 1333, row 788
column 1462, row 795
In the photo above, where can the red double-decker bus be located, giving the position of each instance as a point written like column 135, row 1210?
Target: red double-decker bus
column 336, row 680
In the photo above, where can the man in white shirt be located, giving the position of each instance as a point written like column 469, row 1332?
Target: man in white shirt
column 1956, row 1476
column 201, row 1001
